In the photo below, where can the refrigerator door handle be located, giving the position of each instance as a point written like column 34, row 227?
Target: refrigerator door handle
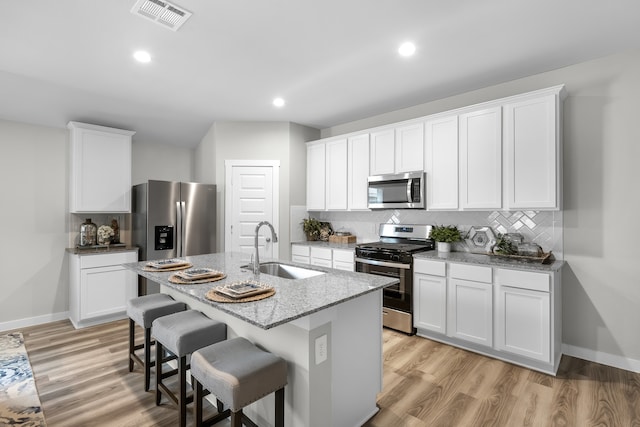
column 183, row 228
column 178, row 229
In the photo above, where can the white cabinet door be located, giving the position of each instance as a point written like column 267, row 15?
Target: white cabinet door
column 100, row 169
column 106, row 290
column 300, row 253
column 441, row 163
column 343, row 259
column 358, row 172
column 532, row 153
column 523, row 323
column 321, row 257
column 336, row 174
column 409, row 148
column 470, row 311
column 316, row 177
column 430, row 302
column 481, row 159
column 382, row 152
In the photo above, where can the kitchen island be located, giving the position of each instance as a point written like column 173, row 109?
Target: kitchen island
column 328, row 328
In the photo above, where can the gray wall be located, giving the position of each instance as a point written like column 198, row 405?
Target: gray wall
column 33, row 172
column 36, row 226
column 281, row 141
column 601, row 203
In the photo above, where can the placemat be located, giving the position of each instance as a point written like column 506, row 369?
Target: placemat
column 214, row 296
column 162, row 270
column 180, row 281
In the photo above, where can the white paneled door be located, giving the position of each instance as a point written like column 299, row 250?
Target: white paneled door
column 251, row 196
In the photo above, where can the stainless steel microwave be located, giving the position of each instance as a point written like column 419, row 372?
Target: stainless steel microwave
column 400, row 191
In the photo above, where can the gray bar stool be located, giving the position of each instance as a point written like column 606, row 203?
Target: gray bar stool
column 238, row 373
column 143, row 311
column 182, row 334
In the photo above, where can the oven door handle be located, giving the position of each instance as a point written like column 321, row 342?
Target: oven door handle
column 384, row 263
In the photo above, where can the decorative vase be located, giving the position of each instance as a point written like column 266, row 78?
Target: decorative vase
column 312, row 237
column 88, row 231
column 444, row 247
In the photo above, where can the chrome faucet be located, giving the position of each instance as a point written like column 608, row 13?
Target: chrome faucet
column 274, row 236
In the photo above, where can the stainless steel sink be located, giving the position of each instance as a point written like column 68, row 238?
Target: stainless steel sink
column 286, row 271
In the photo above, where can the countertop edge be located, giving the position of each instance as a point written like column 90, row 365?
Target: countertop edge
column 489, row 261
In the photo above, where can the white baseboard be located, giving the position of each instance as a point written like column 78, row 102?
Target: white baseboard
column 33, row 321
column 602, row 358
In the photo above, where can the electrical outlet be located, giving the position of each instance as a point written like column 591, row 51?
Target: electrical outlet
column 321, row 349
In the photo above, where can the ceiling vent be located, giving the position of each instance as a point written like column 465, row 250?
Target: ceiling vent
column 161, row 12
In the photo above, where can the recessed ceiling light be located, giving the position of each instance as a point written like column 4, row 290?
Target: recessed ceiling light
column 142, row 56
column 278, row 102
column 407, row 49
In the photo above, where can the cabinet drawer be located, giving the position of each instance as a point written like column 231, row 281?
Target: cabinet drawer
column 470, row 272
column 321, row 262
column 343, row 255
column 300, row 250
column 104, row 260
column 300, row 259
column 523, row 279
column 425, row 266
column 322, row 253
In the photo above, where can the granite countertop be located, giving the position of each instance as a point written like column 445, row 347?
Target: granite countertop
column 489, row 261
column 294, row 298
column 102, row 249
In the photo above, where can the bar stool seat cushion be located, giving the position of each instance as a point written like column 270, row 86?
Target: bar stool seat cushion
column 184, row 332
column 145, row 309
column 237, row 372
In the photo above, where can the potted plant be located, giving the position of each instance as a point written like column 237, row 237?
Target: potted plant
column 312, row 228
column 444, row 235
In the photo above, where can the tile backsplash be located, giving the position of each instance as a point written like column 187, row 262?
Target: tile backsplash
column 541, row 227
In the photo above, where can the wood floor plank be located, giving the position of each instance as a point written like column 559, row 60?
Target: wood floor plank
column 83, row 379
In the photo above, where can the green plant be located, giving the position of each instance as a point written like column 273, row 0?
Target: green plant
column 312, row 227
column 445, row 233
column 504, row 246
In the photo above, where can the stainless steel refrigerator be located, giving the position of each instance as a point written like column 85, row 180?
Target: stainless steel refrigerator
column 172, row 219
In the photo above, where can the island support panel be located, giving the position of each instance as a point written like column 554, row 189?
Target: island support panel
column 340, row 391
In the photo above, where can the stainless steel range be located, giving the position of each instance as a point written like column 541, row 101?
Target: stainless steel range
column 393, row 256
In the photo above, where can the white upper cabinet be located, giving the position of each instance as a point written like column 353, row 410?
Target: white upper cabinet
column 532, row 151
column 441, row 163
column 481, row 159
column 397, row 149
column 336, row 174
column 382, row 152
column 358, row 172
column 100, row 169
column 409, row 148
column 316, row 176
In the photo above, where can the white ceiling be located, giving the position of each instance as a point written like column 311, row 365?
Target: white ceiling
column 333, row 61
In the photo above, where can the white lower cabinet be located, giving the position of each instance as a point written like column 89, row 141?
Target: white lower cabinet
column 510, row 314
column 321, row 257
column 100, row 287
column 471, row 304
column 523, row 314
column 300, row 253
column 341, row 259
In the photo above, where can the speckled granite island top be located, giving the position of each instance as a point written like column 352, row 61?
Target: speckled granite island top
column 294, row 298
column 489, row 261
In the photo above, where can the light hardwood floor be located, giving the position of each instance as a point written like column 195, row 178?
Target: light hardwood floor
column 83, row 380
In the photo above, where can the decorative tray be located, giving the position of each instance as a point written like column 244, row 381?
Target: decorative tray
column 243, row 289
column 545, row 258
column 163, row 264
column 199, row 273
